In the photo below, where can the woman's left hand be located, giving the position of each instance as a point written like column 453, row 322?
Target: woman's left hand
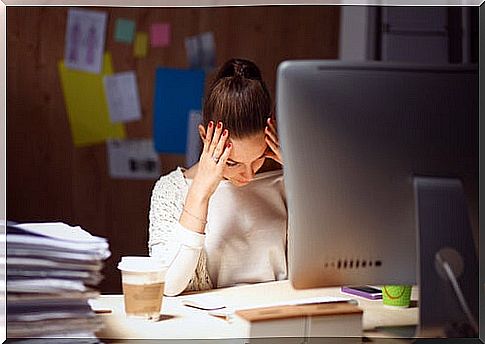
column 271, row 138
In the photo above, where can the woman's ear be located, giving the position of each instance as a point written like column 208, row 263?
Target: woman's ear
column 201, row 131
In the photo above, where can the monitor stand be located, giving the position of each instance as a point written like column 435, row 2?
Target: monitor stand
column 447, row 264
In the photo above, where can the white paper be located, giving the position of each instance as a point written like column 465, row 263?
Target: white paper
column 57, row 236
column 59, row 231
column 302, row 301
column 121, row 91
column 133, row 159
column 84, row 41
column 41, row 263
column 206, row 302
column 193, row 138
column 47, row 285
column 221, row 307
column 201, row 51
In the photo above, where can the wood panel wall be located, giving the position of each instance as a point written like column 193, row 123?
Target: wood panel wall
column 48, row 179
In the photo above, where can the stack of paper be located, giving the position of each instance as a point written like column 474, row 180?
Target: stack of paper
column 52, row 270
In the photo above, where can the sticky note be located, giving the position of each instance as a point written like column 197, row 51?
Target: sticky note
column 141, row 44
column 177, row 92
column 160, row 34
column 86, row 105
column 124, row 30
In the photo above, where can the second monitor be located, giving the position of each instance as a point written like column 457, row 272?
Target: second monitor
column 376, row 160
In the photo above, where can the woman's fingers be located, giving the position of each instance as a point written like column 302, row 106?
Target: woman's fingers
column 224, row 156
column 272, row 124
column 220, row 146
column 270, row 130
column 208, row 136
column 274, row 150
column 271, row 135
column 271, row 144
column 215, row 138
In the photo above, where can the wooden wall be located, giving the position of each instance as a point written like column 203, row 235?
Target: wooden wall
column 48, row 179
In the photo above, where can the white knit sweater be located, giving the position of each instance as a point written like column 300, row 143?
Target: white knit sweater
column 245, row 240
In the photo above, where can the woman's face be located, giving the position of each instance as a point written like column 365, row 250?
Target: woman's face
column 246, row 158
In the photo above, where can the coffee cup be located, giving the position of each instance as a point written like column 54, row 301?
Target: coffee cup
column 143, row 281
column 396, row 295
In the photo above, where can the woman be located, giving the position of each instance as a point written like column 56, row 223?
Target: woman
column 217, row 223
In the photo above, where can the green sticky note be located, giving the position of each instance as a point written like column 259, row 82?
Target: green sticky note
column 124, row 30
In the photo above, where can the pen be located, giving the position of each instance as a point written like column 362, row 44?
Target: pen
column 220, row 315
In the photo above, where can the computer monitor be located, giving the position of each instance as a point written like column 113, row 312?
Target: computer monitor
column 354, row 139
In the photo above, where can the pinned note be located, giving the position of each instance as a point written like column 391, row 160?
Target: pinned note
column 133, row 159
column 201, row 51
column 86, row 105
column 194, row 144
column 141, row 45
column 123, row 98
column 160, row 35
column 177, row 92
column 124, row 30
column 84, row 41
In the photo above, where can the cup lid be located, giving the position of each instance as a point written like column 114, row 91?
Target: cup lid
column 141, row 264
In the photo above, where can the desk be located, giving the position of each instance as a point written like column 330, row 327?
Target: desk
column 181, row 322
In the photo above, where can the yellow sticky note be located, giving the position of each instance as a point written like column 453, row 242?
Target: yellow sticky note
column 141, row 44
column 87, row 106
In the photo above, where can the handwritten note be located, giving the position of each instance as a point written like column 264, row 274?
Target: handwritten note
column 123, row 98
column 84, row 40
column 201, row 51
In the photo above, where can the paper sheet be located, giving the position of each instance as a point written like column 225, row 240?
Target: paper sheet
column 84, row 40
column 160, row 34
column 206, row 302
column 193, row 138
column 133, row 159
column 177, row 91
column 201, row 51
column 124, row 30
column 123, row 98
column 87, row 106
column 141, row 45
column 58, row 237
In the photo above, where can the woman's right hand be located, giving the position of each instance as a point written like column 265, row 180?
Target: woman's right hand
column 212, row 160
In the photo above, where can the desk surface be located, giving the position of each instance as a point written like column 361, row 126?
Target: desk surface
column 182, row 322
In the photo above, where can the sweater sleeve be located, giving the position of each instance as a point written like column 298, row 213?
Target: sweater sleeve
column 180, row 249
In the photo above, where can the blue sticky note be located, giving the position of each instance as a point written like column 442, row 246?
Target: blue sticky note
column 124, row 30
column 177, row 92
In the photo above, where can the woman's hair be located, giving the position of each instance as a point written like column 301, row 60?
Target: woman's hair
column 238, row 97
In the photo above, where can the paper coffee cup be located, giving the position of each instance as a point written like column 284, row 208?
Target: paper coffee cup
column 396, row 295
column 143, row 281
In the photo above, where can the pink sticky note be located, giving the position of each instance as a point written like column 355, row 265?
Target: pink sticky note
column 160, row 34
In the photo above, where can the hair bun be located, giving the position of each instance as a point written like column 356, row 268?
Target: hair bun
column 239, row 69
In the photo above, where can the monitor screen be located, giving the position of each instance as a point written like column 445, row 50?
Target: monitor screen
column 353, row 137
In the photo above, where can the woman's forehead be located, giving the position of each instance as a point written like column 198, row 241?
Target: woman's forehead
column 248, row 149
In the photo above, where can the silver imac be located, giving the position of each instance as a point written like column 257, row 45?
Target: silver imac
column 361, row 144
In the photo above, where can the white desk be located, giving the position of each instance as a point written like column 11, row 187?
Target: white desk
column 181, row 322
